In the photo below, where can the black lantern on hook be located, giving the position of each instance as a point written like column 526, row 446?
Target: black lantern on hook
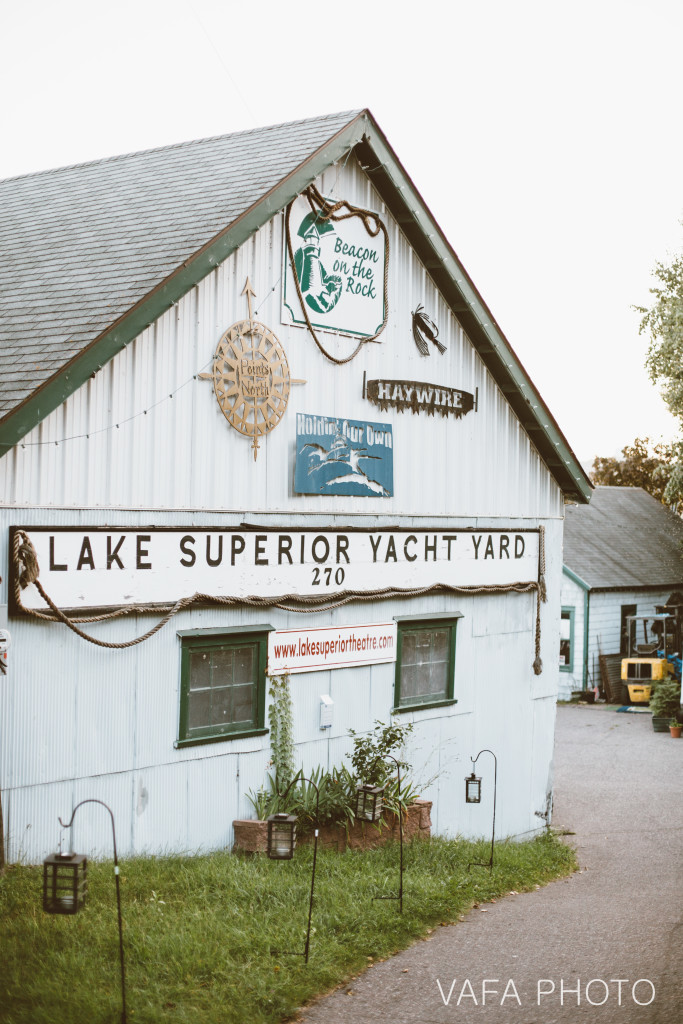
column 472, row 789
column 399, row 896
column 281, row 836
column 65, row 887
column 369, row 802
column 473, row 796
column 281, row 843
column 65, row 883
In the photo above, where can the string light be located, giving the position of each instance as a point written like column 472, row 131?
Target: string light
column 117, row 426
column 130, row 419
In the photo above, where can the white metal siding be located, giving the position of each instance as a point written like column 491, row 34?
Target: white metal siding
column 572, row 596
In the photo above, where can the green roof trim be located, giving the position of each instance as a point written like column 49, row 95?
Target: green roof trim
column 575, row 578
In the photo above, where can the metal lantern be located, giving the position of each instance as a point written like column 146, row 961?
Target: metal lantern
column 281, row 836
column 473, row 789
column 64, row 887
column 369, row 802
column 281, row 843
column 473, row 796
column 64, row 883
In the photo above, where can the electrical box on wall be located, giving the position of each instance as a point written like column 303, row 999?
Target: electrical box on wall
column 5, row 642
column 326, row 706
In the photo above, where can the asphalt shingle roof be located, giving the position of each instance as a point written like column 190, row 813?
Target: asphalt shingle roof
column 81, row 245
column 624, row 539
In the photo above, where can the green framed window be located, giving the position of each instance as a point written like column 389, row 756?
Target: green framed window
column 425, row 661
column 567, row 640
column 222, row 684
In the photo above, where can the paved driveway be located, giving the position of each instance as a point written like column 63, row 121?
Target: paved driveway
column 618, row 786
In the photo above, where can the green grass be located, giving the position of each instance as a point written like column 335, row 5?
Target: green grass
column 198, row 930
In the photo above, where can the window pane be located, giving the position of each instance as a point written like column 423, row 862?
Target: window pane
column 245, row 668
column 243, row 703
column 222, row 665
column 410, row 680
column 200, row 670
column 425, row 662
column 221, row 706
column 199, row 709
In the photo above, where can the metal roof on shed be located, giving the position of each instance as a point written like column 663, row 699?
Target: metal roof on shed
column 92, row 254
column 625, row 539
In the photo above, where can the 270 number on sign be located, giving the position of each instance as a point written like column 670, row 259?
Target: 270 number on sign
column 325, row 576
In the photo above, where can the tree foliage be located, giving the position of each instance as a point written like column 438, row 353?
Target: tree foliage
column 643, row 464
column 663, row 322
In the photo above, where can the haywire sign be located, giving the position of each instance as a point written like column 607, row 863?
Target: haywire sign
column 311, row 650
column 338, row 456
column 419, row 397
column 94, row 568
column 340, row 268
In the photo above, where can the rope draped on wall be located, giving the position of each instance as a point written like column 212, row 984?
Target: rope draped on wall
column 26, row 571
column 325, row 211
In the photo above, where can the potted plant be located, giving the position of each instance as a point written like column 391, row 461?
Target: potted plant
column 664, row 703
column 675, row 728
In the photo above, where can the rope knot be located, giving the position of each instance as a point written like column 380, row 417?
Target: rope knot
column 26, row 561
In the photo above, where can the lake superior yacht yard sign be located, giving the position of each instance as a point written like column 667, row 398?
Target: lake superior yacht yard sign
column 83, row 568
column 250, row 376
column 339, row 456
column 419, row 397
column 334, row 268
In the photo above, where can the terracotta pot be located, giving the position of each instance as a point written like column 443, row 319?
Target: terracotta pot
column 675, row 731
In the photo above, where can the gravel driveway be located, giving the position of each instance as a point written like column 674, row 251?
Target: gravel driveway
column 614, row 931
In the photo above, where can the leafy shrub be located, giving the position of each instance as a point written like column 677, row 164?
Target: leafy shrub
column 370, row 750
column 336, row 803
column 665, row 701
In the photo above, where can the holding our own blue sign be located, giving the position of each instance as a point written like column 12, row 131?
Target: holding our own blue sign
column 340, row 456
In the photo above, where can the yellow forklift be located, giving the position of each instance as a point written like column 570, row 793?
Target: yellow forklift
column 654, row 653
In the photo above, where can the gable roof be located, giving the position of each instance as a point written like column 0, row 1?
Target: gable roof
column 625, row 539
column 92, row 254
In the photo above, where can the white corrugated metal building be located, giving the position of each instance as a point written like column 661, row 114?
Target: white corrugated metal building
column 395, row 489
column 623, row 556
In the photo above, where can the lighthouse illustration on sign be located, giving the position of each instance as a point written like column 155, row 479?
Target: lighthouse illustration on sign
column 320, row 290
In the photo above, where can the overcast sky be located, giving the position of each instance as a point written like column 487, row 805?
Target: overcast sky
column 544, row 136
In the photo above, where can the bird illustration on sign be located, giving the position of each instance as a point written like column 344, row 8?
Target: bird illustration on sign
column 343, row 455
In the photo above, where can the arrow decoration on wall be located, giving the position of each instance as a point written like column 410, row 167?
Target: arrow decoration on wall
column 424, row 331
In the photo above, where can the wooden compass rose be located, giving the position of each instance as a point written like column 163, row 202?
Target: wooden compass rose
column 251, row 377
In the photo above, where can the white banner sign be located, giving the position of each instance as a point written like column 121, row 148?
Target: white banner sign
column 83, row 568
column 311, row 650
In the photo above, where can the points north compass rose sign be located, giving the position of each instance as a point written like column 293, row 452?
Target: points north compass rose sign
column 251, row 377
